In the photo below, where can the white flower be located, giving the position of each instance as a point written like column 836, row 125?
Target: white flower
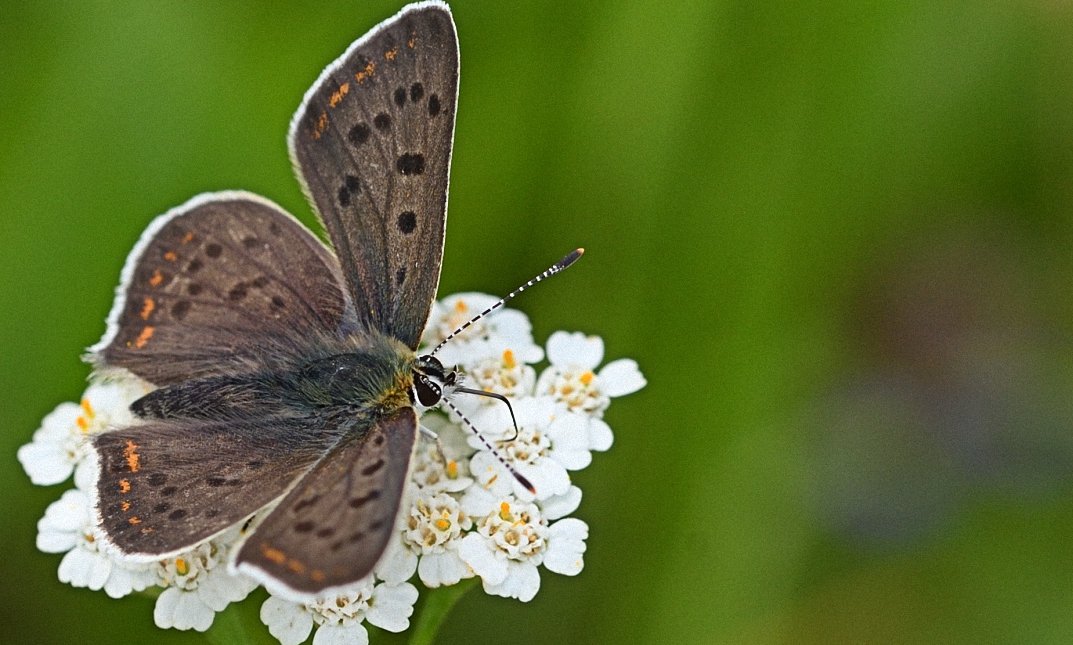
column 61, row 444
column 198, row 585
column 571, row 379
column 339, row 617
column 433, row 530
column 497, row 332
column 513, row 539
column 549, row 441
column 69, row 526
column 448, row 472
column 502, row 375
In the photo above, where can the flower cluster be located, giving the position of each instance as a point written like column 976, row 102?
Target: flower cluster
column 464, row 513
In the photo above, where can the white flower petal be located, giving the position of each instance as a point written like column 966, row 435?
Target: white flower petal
column 476, row 552
column 77, row 567
column 286, row 620
column 355, row 634
column 576, row 349
column 55, row 541
column 86, row 474
column 391, row 606
column 447, row 568
column 398, row 563
column 600, row 435
column 546, row 475
column 559, row 506
column 45, row 463
column 219, row 588
column 621, row 377
column 522, row 582
column 566, row 544
column 183, row 610
column 125, row 580
column 164, row 610
column 478, row 501
column 98, row 575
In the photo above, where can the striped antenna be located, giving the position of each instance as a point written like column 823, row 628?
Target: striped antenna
column 521, row 480
column 557, row 267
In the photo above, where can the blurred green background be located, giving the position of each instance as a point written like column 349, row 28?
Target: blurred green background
column 836, row 237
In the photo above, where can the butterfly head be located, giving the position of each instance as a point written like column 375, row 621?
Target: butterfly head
column 432, row 381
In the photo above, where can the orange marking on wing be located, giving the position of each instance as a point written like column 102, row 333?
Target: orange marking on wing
column 124, row 485
column 144, row 337
column 322, row 125
column 126, row 506
column 296, row 566
column 170, row 256
column 317, row 575
column 410, row 43
column 275, row 555
column 338, row 96
column 188, row 238
column 391, row 54
column 370, row 70
column 134, row 520
column 156, row 279
column 147, row 308
column 131, row 456
column 147, row 529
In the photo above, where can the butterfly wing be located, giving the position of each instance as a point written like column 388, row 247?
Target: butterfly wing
column 226, row 282
column 165, row 486
column 334, row 525
column 371, row 144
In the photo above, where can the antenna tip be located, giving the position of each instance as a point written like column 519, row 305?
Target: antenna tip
column 570, row 259
column 525, row 482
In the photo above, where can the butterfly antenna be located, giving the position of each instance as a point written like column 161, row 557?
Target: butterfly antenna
column 521, row 480
column 557, row 267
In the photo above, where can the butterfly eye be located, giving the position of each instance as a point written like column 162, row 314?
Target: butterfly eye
column 427, row 393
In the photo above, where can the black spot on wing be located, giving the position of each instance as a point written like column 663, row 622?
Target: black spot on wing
column 180, row 309
column 410, row 164
column 407, row 222
column 400, row 96
column 213, row 250
column 358, row 502
column 382, row 122
column 433, row 105
column 359, row 134
column 416, row 92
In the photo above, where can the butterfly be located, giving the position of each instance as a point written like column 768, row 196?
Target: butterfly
column 286, row 371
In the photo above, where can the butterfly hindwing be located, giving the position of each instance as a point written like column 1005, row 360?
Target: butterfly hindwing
column 165, row 486
column 334, row 525
column 224, row 283
column 372, row 145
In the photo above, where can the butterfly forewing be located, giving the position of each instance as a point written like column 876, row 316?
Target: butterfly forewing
column 164, row 487
column 372, row 145
column 333, row 526
column 226, row 282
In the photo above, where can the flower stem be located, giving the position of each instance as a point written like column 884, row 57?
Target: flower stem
column 438, row 603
